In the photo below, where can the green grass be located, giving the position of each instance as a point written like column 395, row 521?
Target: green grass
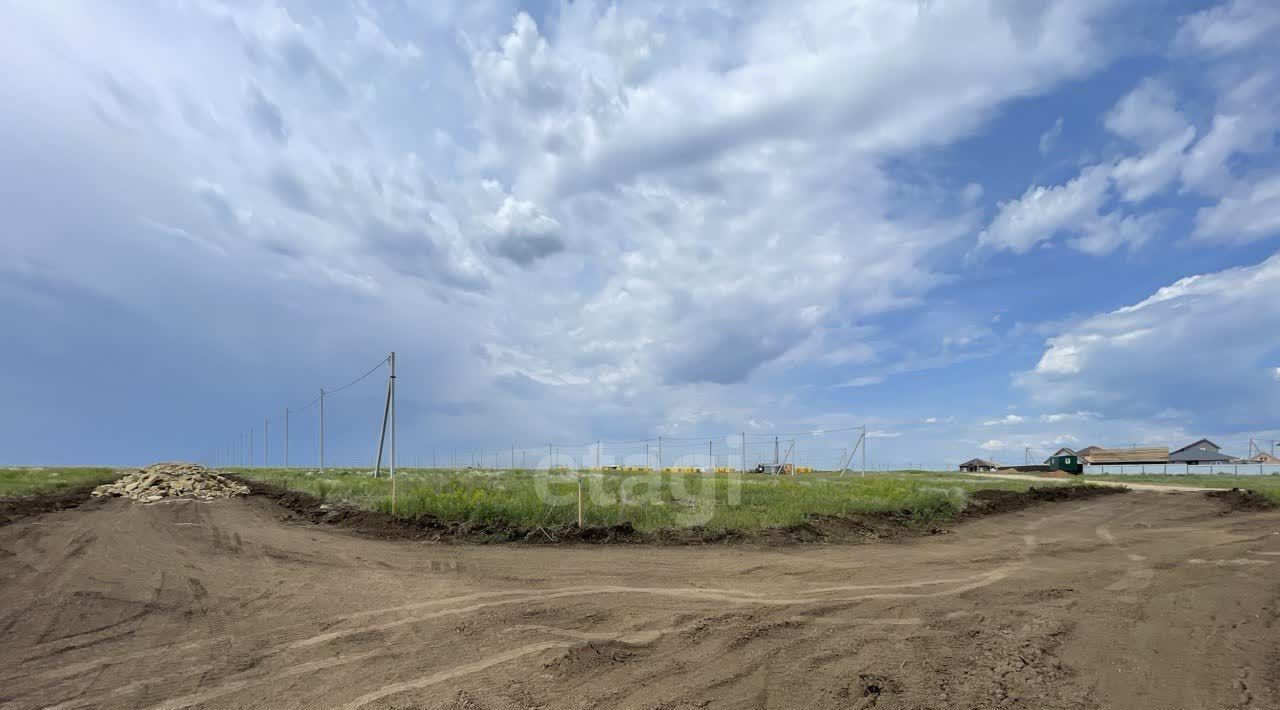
column 1268, row 485
column 647, row 501
column 29, row 481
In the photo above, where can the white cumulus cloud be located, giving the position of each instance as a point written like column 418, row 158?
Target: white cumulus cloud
column 1207, row 339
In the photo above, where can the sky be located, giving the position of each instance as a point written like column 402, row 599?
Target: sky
column 975, row 227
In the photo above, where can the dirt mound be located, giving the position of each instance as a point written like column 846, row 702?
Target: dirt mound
column 173, row 480
column 1243, row 499
column 15, row 507
column 989, row 501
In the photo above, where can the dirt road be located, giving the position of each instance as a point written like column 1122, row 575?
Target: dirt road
column 1152, row 487
column 1136, row 601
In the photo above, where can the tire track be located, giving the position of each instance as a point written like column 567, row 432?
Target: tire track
column 1029, row 544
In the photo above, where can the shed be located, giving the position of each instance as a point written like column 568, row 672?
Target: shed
column 1202, row 451
column 974, row 465
column 1263, row 457
column 1065, row 459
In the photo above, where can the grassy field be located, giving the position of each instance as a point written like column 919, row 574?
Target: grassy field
column 647, row 501
column 1268, row 485
column 29, row 481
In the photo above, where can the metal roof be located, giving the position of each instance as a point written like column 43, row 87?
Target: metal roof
column 1148, row 454
column 1194, row 444
column 979, row 462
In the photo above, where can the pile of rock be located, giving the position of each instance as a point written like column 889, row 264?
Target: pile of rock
column 173, row 480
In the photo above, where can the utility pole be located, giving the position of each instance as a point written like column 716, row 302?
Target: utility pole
column 393, row 432
column 659, row 452
column 775, row 455
column 711, row 462
column 551, row 459
column 744, row 452
column 321, row 430
column 864, row 450
column 1026, row 455
column 382, row 435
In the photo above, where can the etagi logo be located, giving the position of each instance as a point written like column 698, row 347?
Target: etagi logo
column 690, row 484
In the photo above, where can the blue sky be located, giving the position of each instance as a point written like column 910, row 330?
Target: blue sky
column 974, row 227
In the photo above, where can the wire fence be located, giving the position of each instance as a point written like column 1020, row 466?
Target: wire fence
column 817, row 450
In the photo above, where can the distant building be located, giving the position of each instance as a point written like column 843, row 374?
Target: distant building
column 1262, row 457
column 1065, row 459
column 975, row 465
column 1200, row 452
column 1087, row 451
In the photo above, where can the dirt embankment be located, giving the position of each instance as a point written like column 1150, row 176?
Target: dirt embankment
column 818, row 528
column 1243, row 499
column 14, row 508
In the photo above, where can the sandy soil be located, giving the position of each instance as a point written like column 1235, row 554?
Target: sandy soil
column 1134, row 601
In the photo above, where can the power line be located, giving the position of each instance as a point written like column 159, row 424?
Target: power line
column 372, row 370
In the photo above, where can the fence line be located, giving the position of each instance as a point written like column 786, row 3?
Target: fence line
column 1240, row 469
